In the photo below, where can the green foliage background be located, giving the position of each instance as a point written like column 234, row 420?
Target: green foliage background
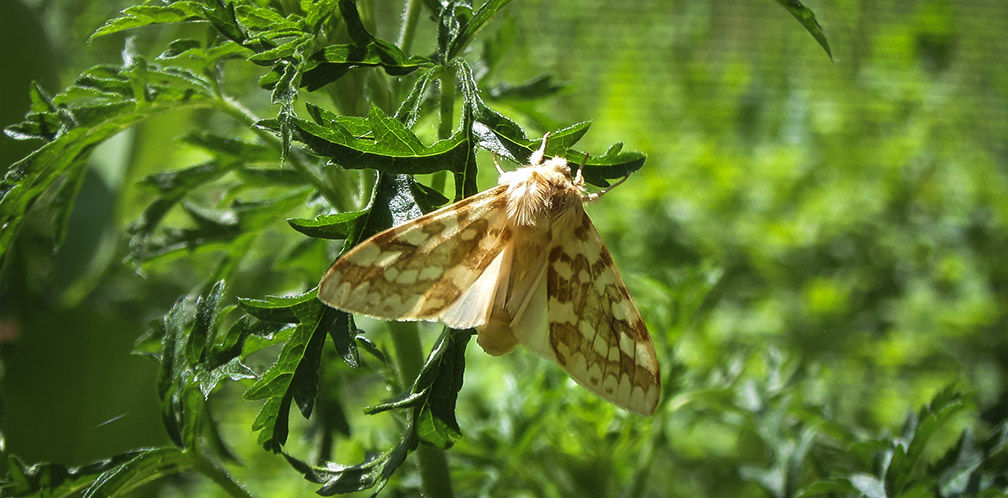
column 817, row 247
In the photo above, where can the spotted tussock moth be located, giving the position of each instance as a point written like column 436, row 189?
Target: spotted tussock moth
column 520, row 263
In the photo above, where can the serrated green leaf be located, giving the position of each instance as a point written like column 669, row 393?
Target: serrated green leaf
column 340, row 327
column 957, row 468
column 284, row 309
column 353, row 125
column 230, row 343
column 918, row 431
column 373, row 472
column 82, row 127
column 229, row 147
column 441, row 378
column 222, row 16
column 295, row 374
column 536, row 88
column 494, row 132
column 328, row 226
column 474, row 26
column 225, row 49
column 432, row 398
column 172, row 186
column 233, row 369
column 330, row 64
column 409, row 108
column 191, row 367
column 271, row 176
column 208, row 308
column 105, row 475
column 289, row 378
column 371, row 348
column 41, row 102
column 172, row 330
column 174, row 183
column 391, row 204
column 355, row 28
column 145, row 15
column 262, row 19
column 215, row 227
column 391, row 148
column 318, row 11
column 611, row 165
column 285, row 50
column 193, row 49
column 45, row 126
column 61, row 206
column 807, row 18
column 504, row 137
column 305, row 381
column 144, row 465
column 177, row 48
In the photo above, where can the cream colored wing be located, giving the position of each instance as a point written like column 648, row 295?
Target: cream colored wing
column 419, row 270
column 595, row 330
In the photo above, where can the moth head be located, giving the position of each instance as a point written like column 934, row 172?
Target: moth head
column 538, row 193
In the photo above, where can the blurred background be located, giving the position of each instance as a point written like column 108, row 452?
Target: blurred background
column 806, row 235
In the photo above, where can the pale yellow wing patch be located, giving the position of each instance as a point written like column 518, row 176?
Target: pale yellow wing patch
column 595, row 330
column 472, row 308
column 418, row 270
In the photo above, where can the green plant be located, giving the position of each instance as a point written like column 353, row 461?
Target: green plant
column 339, row 160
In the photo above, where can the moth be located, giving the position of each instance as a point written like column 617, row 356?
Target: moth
column 520, row 263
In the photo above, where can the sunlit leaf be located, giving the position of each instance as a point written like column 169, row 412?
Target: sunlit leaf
column 807, row 18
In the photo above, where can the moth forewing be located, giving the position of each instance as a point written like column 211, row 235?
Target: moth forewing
column 418, row 270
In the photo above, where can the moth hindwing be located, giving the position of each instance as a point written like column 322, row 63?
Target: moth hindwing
column 520, row 263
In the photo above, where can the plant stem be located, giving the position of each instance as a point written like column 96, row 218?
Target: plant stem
column 221, row 477
column 434, row 478
column 446, row 118
column 410, row 17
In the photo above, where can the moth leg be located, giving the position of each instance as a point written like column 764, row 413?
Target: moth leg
column 591, row 196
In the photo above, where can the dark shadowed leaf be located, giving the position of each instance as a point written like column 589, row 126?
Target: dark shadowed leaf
column 441, row 378
column 295, row 374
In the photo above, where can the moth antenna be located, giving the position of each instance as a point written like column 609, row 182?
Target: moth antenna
column 579, row 177
column 497, row 165
column 537, row 156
